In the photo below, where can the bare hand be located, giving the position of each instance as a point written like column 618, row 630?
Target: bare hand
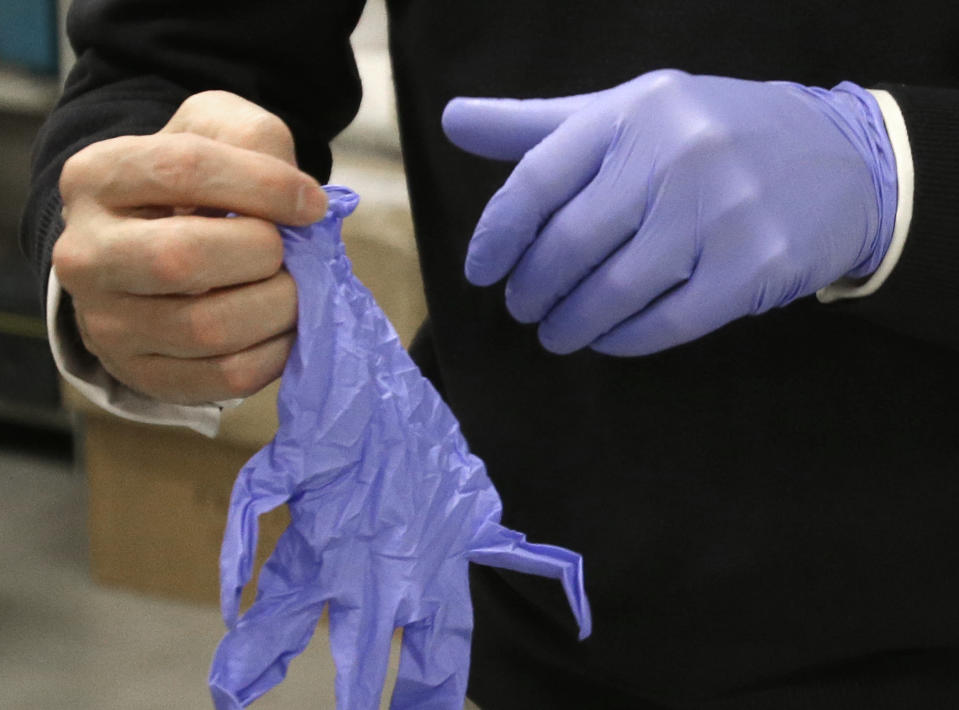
column 176, row 301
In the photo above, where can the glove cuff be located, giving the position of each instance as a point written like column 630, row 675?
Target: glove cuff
column 899, row 137
column 861, row 115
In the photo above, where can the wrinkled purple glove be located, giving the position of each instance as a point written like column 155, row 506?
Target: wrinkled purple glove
column 652, row 213
column 387, row 507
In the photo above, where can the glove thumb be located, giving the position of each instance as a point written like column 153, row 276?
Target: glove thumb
column 504, row 129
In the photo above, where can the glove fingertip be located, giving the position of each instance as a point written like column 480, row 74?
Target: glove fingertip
column 230, row 606
column 481, row 271
column 583, row 614
column 554, row 341
column 223, row 699
column 452, row 119
column 460, row 121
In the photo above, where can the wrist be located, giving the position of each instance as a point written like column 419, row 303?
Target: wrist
column 863, row 124
column 905, row 177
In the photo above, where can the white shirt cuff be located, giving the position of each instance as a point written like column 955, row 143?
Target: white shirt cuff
column 90, row 378
column 902, row 152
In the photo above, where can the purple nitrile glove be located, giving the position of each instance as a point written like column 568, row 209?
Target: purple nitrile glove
column 387, row 509
column 652, row 213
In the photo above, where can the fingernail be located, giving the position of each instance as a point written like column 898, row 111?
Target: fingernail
column 311, row 203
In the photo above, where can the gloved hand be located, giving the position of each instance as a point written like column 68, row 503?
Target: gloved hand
column 387, row 508
column 652, row 213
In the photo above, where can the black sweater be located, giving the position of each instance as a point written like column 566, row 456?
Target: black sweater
column 769, row 515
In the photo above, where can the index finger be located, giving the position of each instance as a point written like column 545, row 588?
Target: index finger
column 184, row 169
column 547, row 177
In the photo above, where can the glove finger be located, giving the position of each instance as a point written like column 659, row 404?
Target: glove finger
column 760, row 272
column 247, row 503
column 254, row 655
column 579, row 237
column 547, row 177
column 691, row 311
column 434, row 663
column 643, row 269
column 360, row 638
column 498, row 546
column 504, row 129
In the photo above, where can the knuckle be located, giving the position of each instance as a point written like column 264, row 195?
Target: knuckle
column 745, row 194
column 527, row 174
column 776, row 259
column 674, row 326
column 566, row 236
column 100, row 332
column 703, row 153
column 620, row 225
column 73, row 174
column 72, row 257
column 265, row 127
column 668, row 83
column 531, row 180
column 146, row 375
column 175, row 166
column 169, row 263
column 265, row 240
column 94, row 169
column 238, row 377
column 204, row 328
column 203, row 99
column 587, row 228
column 709, row 137
column 207, row 111
column 80, row 171
column 619, row 285
column 80, row 318
column 273, row 242
column 237, row 121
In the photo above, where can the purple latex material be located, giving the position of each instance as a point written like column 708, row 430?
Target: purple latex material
column 652, row 213
column 387, row 509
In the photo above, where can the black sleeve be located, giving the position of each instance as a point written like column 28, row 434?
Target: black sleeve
column 921, row 295
column 137, row 60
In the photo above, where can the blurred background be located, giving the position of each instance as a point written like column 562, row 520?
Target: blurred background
column 110, row 531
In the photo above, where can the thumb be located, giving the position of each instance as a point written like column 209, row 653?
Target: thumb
column 504, row 129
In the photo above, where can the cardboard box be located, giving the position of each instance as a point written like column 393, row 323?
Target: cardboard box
column 158, row 495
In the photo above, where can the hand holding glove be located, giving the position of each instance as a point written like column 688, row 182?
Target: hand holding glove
column 655, row 212
column 175, row 303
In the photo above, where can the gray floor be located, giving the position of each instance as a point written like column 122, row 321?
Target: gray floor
column 67, row 643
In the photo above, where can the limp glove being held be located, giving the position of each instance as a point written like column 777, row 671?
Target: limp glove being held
column 652, row 213
column 387, row 508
